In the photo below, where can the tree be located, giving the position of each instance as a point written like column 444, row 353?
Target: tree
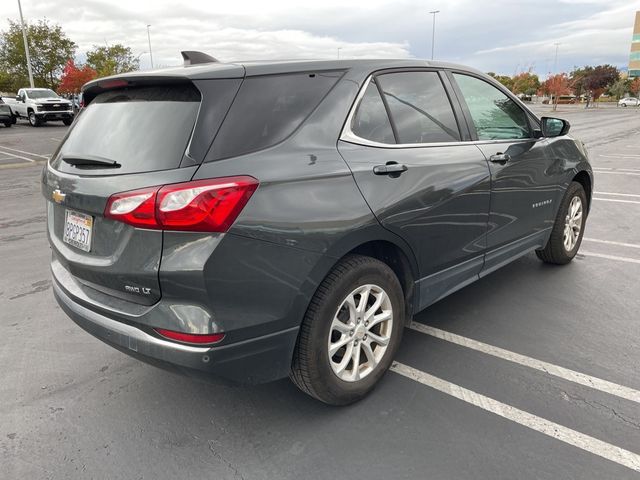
column 600, row 78
column 112, row 59
column 49, row 48
column 526, row 82
column 634, row 86
column 503, row 79
column 73, row 77
column 620, row 87
column 557, row 85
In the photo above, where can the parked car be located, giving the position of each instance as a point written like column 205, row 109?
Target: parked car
column 256, row 220
column 7, row 118
column 628, row 102
column 40, row 105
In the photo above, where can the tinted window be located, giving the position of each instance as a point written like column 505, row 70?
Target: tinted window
column 143, row 129
column 371, row 120
column 268, row 109
column 419, row 107
column 495, row 116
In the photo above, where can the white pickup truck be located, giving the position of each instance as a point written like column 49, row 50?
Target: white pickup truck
column 40, row 105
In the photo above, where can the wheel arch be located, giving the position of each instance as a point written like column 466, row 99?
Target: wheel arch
column 584, row 178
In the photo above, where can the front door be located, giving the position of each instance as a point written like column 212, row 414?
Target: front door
column 524, row 189
column 421, row 181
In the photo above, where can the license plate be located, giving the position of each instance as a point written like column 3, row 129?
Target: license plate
column 77, row 230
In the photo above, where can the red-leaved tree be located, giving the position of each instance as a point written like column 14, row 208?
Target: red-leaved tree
column 557, row 85
column 73, row 77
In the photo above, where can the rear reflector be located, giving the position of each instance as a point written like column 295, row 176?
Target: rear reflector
column 200, row 206
column 196, row 339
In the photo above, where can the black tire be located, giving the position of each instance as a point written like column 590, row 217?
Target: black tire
column 311, row 370
column 14, row 119
column 34, row 120
column 8, row 123
column 555, row 252
column 67, row 121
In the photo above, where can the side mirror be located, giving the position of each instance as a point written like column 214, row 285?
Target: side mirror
column 554, row 127
column 18, row 98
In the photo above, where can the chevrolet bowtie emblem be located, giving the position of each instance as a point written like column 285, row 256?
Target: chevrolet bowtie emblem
column 58, row 196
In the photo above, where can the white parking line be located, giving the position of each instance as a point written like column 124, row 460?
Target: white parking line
column 22, row 151
column 601, row 172
column 610, row 257
column 555, row 370
column 559, row 432
column 618, row 194
column 616, row 199
column 609, row 242
column 18, row 156
column 624, row 155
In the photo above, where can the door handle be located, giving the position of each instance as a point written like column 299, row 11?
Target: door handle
column 500, row 158
column 392, row 169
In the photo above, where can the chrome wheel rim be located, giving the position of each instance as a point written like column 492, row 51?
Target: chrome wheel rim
column 360, row 333
column 572, row 224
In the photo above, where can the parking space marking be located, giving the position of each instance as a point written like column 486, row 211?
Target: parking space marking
column 22, row 151
column 610, row 257
column 582, row 441
column 609, row 242
column 618, row 194
column 599, row 172
column 624, row 155
column 17, row 156
column 618, row 200
column 555, row 370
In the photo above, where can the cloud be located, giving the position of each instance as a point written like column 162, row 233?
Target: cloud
column 502, row 36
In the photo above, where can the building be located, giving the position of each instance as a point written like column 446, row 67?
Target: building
column 634, row 57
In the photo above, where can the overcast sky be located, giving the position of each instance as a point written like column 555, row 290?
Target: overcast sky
column 492, row 35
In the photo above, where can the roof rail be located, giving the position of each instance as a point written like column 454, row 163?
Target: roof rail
column 194, row 58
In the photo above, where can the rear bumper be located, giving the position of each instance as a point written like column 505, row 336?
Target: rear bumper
column 256, row 360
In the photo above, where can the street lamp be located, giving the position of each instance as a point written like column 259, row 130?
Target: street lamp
column 433, row 31
column 339, row 48
column 26, row 46
column 149, row 38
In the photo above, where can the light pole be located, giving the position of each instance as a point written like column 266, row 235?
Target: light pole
column 433, row 32
column 555, row 63
column 149, row 38
column 555, row 72
column 339, row 48
column 26, row 46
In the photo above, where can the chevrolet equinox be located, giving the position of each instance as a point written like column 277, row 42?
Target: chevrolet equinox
column 250, row 221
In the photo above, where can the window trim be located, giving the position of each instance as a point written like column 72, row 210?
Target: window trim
column 459, row 107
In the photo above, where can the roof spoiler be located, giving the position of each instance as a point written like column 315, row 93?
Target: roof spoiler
column 195, row 58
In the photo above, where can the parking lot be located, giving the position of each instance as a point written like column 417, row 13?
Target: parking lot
column 530, row 373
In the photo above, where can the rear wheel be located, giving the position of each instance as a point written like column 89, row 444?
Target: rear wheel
column 351, row 331
column 34, row 120
column 568, row 228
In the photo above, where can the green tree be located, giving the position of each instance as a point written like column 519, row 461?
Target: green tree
column 526, row 82
column 49, row 47
column 112, row 59
column 505, row 80
column 620, row 87
column 593, row 80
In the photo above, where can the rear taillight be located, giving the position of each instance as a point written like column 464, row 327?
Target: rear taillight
column 199, row 206
column 194, row 338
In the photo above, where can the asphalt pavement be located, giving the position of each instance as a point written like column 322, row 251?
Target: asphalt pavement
column 530, row 373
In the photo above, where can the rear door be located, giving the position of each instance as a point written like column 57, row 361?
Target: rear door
column 405, row 145
column 524, row 181
column 126, row 139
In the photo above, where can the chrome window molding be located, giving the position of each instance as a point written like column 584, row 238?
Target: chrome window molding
column 348, row 136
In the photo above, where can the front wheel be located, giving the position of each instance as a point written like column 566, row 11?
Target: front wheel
column 8, row 123
column 351, row 331
column 67, row 121
column 568, row 228
column 34, row 120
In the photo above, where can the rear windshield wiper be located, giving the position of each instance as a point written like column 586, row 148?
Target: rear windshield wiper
column 90, row 161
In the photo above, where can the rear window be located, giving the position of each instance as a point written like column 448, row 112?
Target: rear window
column 268, row 109
column 143, row 129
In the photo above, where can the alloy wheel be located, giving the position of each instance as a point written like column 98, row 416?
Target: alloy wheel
column 572, row 224
column 360, row 333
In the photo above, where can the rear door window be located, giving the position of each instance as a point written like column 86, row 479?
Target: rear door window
column 268, row 109
column 419, row 107
column 371, row 121
column 143, row 129
column 495, row 116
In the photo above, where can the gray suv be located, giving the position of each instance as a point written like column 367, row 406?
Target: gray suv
column 250, row 221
